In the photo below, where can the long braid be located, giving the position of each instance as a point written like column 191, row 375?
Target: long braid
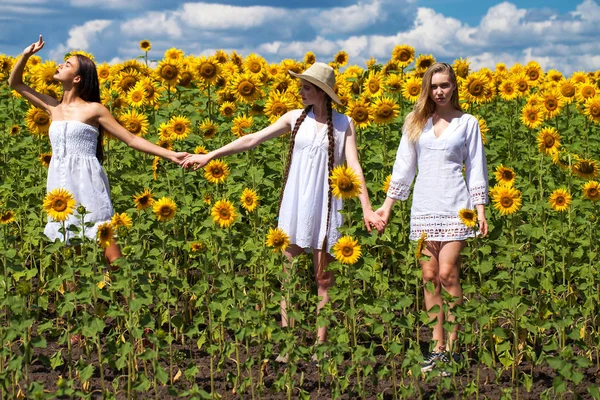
column 288, row 162
column 330, row 162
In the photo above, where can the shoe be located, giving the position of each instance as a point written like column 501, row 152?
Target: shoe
column 315, row 357
column 430, row 360
column 76, row 339
column 282, row 358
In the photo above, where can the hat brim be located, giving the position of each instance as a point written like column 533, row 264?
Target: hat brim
column 321, row 85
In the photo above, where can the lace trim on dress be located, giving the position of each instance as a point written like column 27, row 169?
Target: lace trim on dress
column 479, row 194
column 398, row 190
column 439, row 227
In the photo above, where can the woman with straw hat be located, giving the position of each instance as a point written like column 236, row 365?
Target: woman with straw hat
column 320, row 140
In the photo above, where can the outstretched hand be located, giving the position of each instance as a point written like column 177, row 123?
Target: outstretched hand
column 196, row 161
column 384, row 214
column 373, row 220
column 34, row 47
column 179, row 157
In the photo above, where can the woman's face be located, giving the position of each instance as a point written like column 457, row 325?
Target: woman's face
column 310, row 93
column 67, row 71
column 441, row 88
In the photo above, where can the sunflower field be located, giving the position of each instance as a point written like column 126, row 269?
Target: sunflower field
column 192, row 308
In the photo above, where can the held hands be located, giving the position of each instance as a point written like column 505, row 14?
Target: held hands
column 373, row 220
column 179, row 157
column 384, row 214
column 34, row 47
column 196, row 161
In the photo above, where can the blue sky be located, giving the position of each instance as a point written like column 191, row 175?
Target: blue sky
column 559, row 34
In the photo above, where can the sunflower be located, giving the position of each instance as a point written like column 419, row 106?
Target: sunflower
column 165, row 143
column 371, row 62
column 384, row 110
column 208, row 129
column 167, row 72
column 38, row 121
column 393, row 83
column 223, row 213
column 552, row 103
column 412, row 89
column 461, row 67
column 164, row 209
column 505, row 176
column 180, row 127
column 122, row 219
column 344, row 182
column 197, row 247
column 521, row 85
column 585, row 91
column 255, row 65
column 506, row 199
column 277, row 239
column 136, row 97
column 534, row 73
column 403, row 55
column 358, row 110
column 468, row 217
column 277, row 105
column 483, row 128
column 227, row 109
column 554, row 76
column 200, row 150
column 216, row 171
column 560, row 200
column 241, row 125
column 6, row 217
column 309, row 58
column 592, row 109
column 14, row 130
column 59, row 204
column 245, row 87
column 420, row 245
column 44, row 73
column 386, row 183
column 476, row 88
column 568, row 90
column 579, row 77
column 548, row 140
column 45, row 159
column 125, row 81
column 423, row 62
column 208, row 69
column 586, row 168
column 591, row 190
column 507, row 90
column 145, row 45
column 173, row 54
column 347, row 250
column 249, row 199
column 103, row 72
column 532, row 117
column 341, row 58
column 106, row 235
column 373, row 84
column 152, row 89
column 143, row 200
column 135, row 122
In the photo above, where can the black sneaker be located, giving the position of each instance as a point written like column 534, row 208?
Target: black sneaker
column 430, row 360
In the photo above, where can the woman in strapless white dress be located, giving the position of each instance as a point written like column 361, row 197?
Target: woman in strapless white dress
column 78, row 121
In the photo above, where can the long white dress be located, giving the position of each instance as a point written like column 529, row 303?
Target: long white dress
column 303, row 213
column 74, row 167
column 441, row 190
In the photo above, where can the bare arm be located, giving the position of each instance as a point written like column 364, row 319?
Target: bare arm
column 15, row 80
column 371, row 219
column 110, row 124
column 281, row 126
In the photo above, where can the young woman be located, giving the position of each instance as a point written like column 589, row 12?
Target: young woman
column 78, row 121
column 437, row 140
column 320, row 139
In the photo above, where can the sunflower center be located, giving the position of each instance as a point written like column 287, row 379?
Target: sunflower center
column 134, row 126
column 246, row 88
column 186, row 78
column 476, row 88
column 533, row 75
column 506, row 201
column 373, row 86
column 168, row 72
column 568, row 90
column 149, row 91
column 586, row 167
column 424, row 64
column 507, row 175
column 208, row 70
column 165, row 211
column 551, row 104
column 104, row 73
column 560, row 200
column 360, row 114
column 210, row 132
column 255, row 67
column 587, row 92
column 279, row 108
column 345, row 184
column 282, row 86
column 228, row 111
column 532, row 116
column 595, row 110
column 41, row 118
column 549, row 141
column 355, row 87
column 593, row 193
column 522, row 86
column 414, row 90
column 404, row 56
column 143, row 200
column 137, row 96
column 217, row 172
column 224, row 213
column 127, row 83
column 462, row 71
column 59, row 205
column 385, row 111
column 508, row 89
column 347, row 251
column 179, row 128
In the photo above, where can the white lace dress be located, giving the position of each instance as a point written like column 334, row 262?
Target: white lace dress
column 74, row 167
column 303, row 213
column 441, row 190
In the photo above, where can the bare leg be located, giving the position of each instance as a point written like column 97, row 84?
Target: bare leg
column 325, row 280
column 449, row 276
column 430, row 269
column 289, row 253
column 111, row 253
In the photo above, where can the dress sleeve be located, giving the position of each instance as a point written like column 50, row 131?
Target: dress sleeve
column 404, row 171
column 476, row 165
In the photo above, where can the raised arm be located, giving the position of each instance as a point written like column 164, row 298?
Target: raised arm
column 280, row 127
column 110, row 125
column 15, row 80
column 371, row 219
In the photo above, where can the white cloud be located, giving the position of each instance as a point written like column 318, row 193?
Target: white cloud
column 349, row 19
column 80, row 37
column 112, row 4
column 153, row 23
column 225, row 17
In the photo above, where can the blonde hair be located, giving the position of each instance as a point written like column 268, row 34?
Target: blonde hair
column 425, row 107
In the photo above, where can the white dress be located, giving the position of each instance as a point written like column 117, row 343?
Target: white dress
column 441, row 190
column 74, row 167
column 303, row 213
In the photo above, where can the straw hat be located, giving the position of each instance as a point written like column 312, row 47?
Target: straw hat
column 322, row 76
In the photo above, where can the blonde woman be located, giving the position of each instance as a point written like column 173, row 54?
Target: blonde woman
column 438, row 140
column 320, row 140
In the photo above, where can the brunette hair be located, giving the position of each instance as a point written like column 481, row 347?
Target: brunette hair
column 330, row 161
column 424, row 107
column 89, row 90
